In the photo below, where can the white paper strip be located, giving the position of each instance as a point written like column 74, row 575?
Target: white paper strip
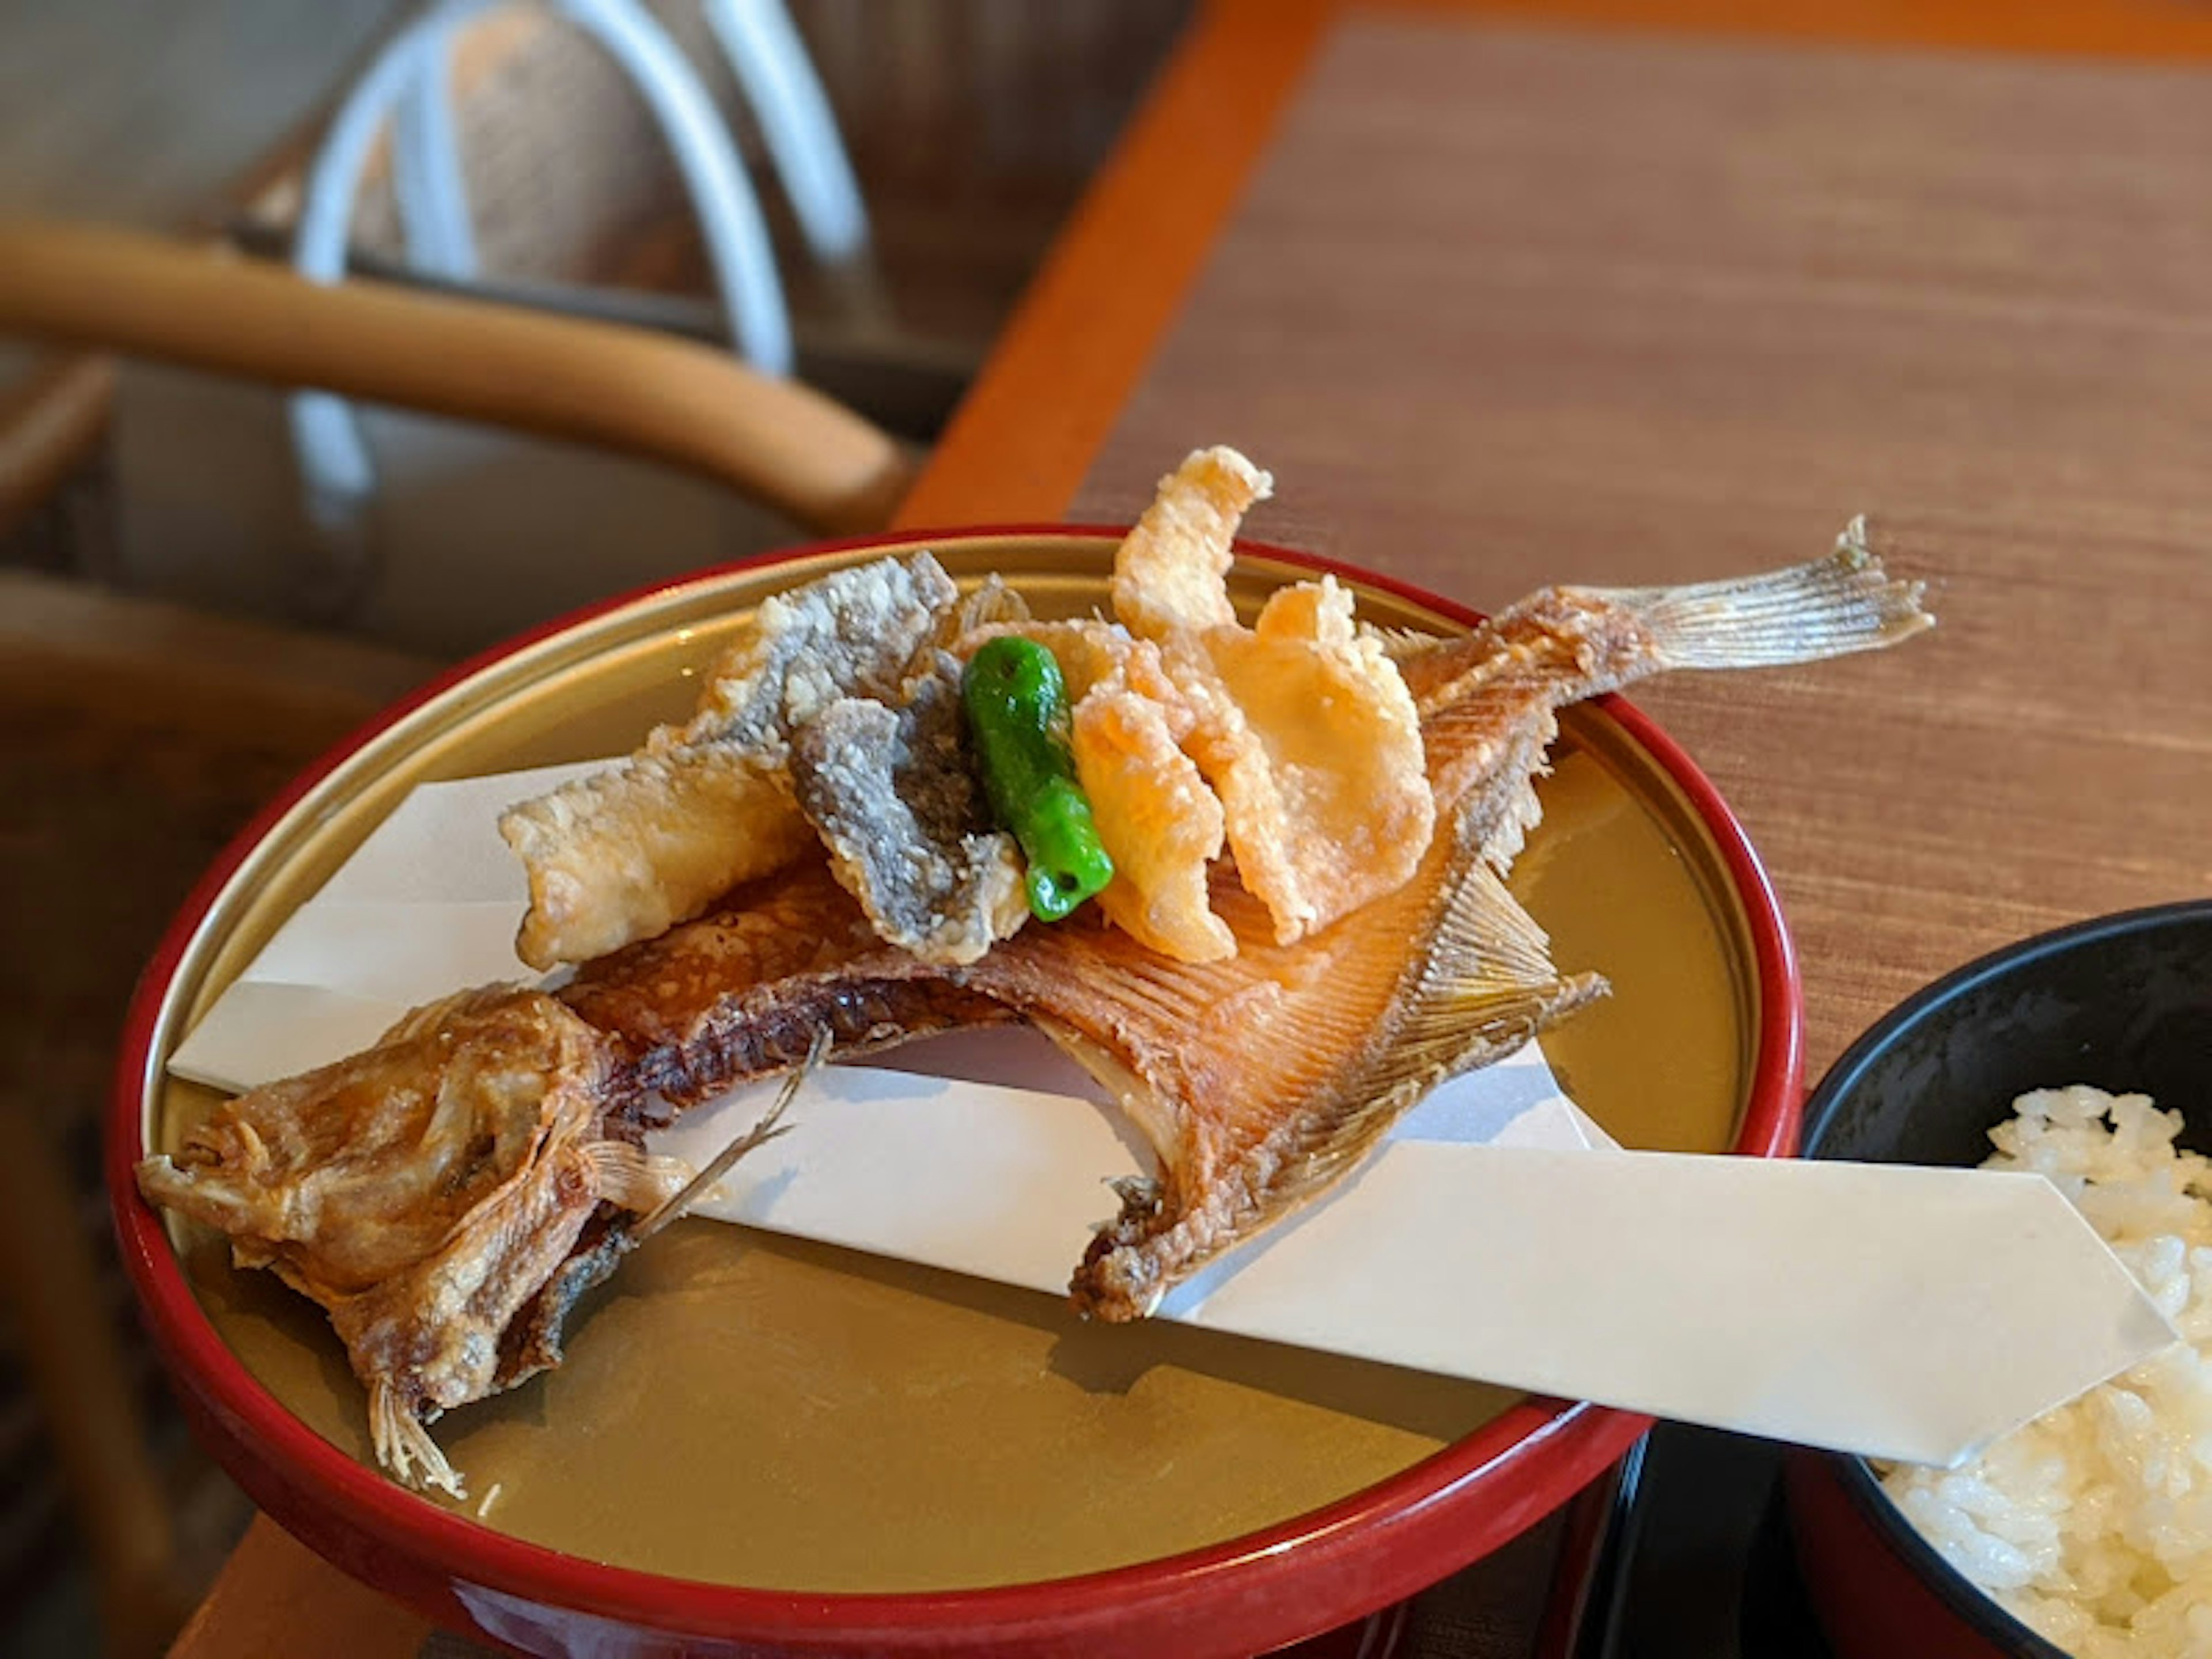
column 867, row 1166
column 1903, row 1313
column 441, row 845
column 1898, row 1312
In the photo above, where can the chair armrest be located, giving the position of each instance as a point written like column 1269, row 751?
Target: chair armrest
column 597, row 383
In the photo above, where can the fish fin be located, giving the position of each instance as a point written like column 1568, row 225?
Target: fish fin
column 1499, row 807
column 1399, row 644
column 1844, row 603
column 1487, row 947
column 630, row 1178
column 532, row 1341
column 1486, row 987
column 403, row 1446
column 766, row 1129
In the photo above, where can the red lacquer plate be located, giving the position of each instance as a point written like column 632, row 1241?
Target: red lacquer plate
column 1369, row 1484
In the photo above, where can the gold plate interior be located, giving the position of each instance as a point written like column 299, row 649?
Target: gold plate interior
column 742, row 1409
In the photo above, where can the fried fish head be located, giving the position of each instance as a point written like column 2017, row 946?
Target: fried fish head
column 423, row 1193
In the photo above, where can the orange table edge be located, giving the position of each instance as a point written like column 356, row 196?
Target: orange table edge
column 1022, row 440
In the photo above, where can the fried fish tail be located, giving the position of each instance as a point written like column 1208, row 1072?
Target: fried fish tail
column 630, row 1178
column 1489, row 702
column 1569, row 643
column 1844, row 603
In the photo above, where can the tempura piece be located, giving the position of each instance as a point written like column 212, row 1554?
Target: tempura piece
column 625, row 853
column 1170, row 572
column 1301, row 725
column 1157, row 820
column 894, row 794
column 703, row 806
column 423, row 1193
column 1314, row 745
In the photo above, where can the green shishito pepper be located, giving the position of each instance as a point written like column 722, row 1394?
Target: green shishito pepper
column 1016, row 706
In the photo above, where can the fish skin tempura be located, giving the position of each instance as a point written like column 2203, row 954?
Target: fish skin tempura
column 659, row 838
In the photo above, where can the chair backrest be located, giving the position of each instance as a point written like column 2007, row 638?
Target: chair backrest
column 403, row 95
column 971, row 126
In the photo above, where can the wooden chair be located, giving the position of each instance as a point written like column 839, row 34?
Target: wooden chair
column 615, row 388
column 127, row 671
column 144, row 734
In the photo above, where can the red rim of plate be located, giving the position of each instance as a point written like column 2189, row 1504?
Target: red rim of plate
column 1280, row 1578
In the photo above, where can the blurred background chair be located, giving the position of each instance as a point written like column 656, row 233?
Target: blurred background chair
column 967, row 129
column 566, row 485
column 553, row 411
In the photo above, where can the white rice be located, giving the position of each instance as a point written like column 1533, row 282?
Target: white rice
column 2094, row 1524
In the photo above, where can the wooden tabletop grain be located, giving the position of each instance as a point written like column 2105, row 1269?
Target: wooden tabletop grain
column 1503, row 307
column 1523, row 294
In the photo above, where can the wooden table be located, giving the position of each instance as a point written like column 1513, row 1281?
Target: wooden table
column 1508, row 295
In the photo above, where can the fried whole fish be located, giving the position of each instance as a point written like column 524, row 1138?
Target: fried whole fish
column 1261, row 1078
